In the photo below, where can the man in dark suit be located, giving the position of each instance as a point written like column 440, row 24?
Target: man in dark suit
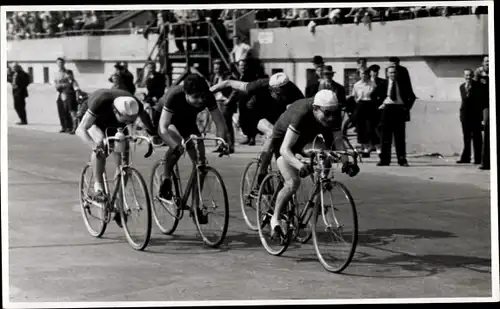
column 20, row 82
column 401, row 71
column 471, row 116
column 397, row 100
column 329, row 84
column 313, row 83
column 378, row 95
column 126, row 78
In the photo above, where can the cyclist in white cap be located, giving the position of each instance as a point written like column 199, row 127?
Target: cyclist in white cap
column 273, row 96
column 108, row 110
column 294, row 130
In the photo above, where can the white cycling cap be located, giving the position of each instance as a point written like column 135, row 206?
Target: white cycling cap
column 126, row 106
column 326, row 98
column 278, row 80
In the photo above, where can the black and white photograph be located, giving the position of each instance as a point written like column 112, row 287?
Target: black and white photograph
column 248, row 154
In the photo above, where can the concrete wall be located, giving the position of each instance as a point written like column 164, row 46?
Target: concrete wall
column 435, row 50
column 436, row 36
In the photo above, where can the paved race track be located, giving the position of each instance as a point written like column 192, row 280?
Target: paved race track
column 424, row 232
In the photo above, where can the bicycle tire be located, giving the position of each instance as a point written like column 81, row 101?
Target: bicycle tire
column 100, row 231
column 317, row 216
column 263, row 219
column 245, row 196
column 156, row 202
column 142, row 245
column 206, row 241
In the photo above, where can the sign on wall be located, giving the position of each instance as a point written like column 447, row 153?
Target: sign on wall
column 266, row 37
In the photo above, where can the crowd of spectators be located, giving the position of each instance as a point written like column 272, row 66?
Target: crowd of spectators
column 273, row 18
column 31, row 25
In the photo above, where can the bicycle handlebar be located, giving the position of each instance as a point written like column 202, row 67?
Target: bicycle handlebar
column 198, row 138
column 134, row 139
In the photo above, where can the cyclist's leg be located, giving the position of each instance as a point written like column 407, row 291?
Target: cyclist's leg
column 98, row 162
column 171, row 158
column 267, row 150
column 291, row 185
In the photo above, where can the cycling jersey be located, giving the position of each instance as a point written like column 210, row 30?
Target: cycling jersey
column 184, row 114
column 100, row 105
column 299, row 118
column 267, row 107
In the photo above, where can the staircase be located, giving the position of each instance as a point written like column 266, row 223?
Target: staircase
column 113, row 22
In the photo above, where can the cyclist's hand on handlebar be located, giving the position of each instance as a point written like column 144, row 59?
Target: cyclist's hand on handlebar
column 99, row 150
column 305, row 170
column 224, row 150
column 350, row 169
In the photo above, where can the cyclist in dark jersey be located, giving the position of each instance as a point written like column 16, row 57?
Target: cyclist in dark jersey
column 294, row 130
column 108, row 110
column 181, row 105
column 273, row 96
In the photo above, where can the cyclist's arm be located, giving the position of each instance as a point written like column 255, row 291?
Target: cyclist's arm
column 289, row 141
column 146, row 121
column 165, row 122
column 82, row 130
column 234, row 84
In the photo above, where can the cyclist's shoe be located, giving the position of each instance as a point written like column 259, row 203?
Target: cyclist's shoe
column 202, row 217
column 166, row 190
column 279, row 230
column 100, row 197
column 118, row 218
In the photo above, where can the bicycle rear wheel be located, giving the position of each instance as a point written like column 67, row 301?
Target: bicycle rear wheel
column 89, row 210
column 212, row 207
column 266, row 201
column 166, row 215
column 137, row 209
column 335, row 240
column 247, row 196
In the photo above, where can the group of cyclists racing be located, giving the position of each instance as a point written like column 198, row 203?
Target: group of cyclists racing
column 288, row 120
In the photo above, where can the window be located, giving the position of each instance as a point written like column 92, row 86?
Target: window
column 350, row 78
column 46, row 78
column 274, row 71
column 30, row 72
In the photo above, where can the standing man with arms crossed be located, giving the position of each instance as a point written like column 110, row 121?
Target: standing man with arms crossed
column 64, row 113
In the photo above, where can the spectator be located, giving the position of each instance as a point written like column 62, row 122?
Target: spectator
column 402, row 73
column 470, row 117
column 155, row 84
column 365, row 109
column 481, row 75
column 327, row 82
column 240, row 50
column 398, row 101
column 334, row 16
column 125, row 78
column 59, row 83
column 70, row 92
column 226, row 101
column 361, row 66
column 20, row 82
column 313, row 82
column 134, row 30
column 246, row 106
column 377, row 96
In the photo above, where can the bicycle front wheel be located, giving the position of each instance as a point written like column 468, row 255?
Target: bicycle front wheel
column 247, row 195
column 94, row 215
column 211, row 213
column 165, row 214
column 135, row 209
column 335, row 227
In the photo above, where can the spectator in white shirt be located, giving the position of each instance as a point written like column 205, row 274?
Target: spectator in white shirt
column 365, row 109
column 240, row 50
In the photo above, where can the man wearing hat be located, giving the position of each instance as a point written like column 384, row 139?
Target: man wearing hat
column 329, row 84
column 126, row 79
column 313, row 83
column 108, row 110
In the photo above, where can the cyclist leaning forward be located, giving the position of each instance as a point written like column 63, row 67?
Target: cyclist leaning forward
column 273, row 96
column 181, row 105
column 108, row 110
column 295, row 129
